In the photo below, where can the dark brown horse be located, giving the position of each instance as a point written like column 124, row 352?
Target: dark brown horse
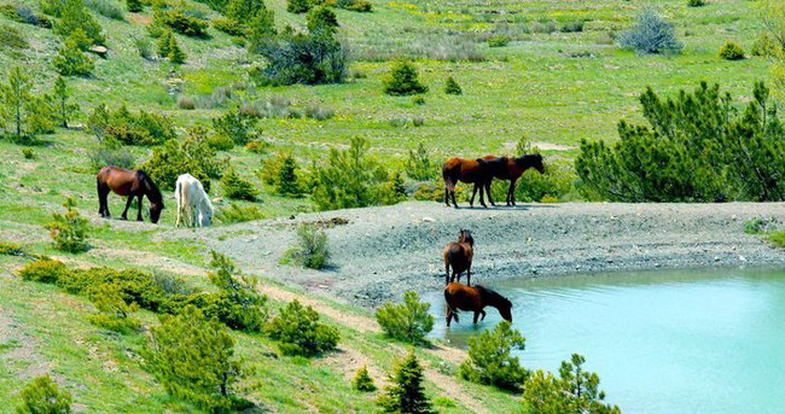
column 474, row 299
column 467, row 171
column 510, row 168
column 131, row 183
column 459, row 256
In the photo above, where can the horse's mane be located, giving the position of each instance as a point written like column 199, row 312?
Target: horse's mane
column 155, row 194
column 489, row 294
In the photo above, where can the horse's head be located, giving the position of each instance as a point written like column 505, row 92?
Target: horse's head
column 502, row 304
column 155, row 211
column 466, row 237
column 206, row 217
column 531, row 161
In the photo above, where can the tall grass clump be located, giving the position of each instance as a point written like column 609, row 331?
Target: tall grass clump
column 106, row 8
column 310, row 249
column 235, row 213
column 731, row 51
column 651, row 34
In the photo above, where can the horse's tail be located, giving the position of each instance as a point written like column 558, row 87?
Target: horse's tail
column 450, row 174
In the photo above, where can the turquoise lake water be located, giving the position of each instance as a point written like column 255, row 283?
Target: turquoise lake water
column 698, row 341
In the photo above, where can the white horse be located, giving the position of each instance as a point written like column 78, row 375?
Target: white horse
column 193, row 204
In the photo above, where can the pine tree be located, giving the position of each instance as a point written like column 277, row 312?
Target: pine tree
column 298, row 6
column 64, row 108
column 42, row 395
column 70, row 61
column 407, row 394
column 73, row 16
column 451, row 87
column 16, row 98
column 164, row 44
column 134, row 6
column 193, row 358
column 322, row 22
column 362, row 381
column 287, row 178
column 403, row 80
column 176, row 55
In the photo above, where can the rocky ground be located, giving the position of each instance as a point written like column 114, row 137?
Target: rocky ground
column 377, row 253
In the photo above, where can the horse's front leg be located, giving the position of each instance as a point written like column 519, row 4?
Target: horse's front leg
column 512, row 191
column 454, row 203
column 447, row 274
column 124, row 216
column 474, row 193
column 446, row 196
column 476, row 316
column 482, row 198
column 469, row 275
column 139, row 210
column 488, row 192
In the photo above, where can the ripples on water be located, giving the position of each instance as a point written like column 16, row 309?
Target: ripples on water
column 661, row 342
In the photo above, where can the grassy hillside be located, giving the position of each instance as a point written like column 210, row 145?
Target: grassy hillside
column 554, row 87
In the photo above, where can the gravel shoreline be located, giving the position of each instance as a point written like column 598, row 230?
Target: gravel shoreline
column 383, row 251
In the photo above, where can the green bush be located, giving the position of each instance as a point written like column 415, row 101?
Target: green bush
column 238, row 125
column 11, row 249
column 403, row 80
column 419, row 165
column 498, row 41
column 180, row 19
column 575, row 391
column 362, row 6
column 23, row 14
column 110, row 152
column 352, row 179
column 236, row 304
column 237, row 214
column 777, row 238
column 237, row 188
column 409, row 321
column 731, row 51
column 406, row 394
column 690, row 152
column 298, row 6
column 489, row 361
column 758, row 226
column 70, row 60
column 767, row 46
column 281, row 173
column 69, row 230
column 176, row 54
column 44, row 271
column 43, row 396
column 193, row 358
column 112, row 309
column 696, row 3
column 73, row 16
column 310, row 248
column 300, row 333
column 650, row 34
column 134, row 6
column 257, row 146
column 362, row 381
column 443, row 401
column 451, row 87
column 572, row 27
column 144, row 129
column 220, row 142
column 300, row 58
column 164, row 43
column 191, row 154
column 322, row 21
column 230, row 26
column 28, row 153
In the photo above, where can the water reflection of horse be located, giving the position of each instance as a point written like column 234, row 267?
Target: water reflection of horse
column 474, row 299
column 459, row 256
column 131, row 183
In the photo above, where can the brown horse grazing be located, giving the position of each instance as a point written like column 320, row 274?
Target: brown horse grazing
column 467, row 171
column 459, row 256
column 131, row 183
column 510, row 168
column 474, row 299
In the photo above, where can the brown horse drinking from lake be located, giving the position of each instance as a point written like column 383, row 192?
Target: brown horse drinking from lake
column 459, row 256
column 474, row 299
column 467, row 171
column 131, row 183
column 510, row 168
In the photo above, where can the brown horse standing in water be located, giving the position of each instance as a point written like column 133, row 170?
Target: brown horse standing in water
column 467, row 171
column 474, row 299
column 510, row 168
column 459, row 256
column 131, row 183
